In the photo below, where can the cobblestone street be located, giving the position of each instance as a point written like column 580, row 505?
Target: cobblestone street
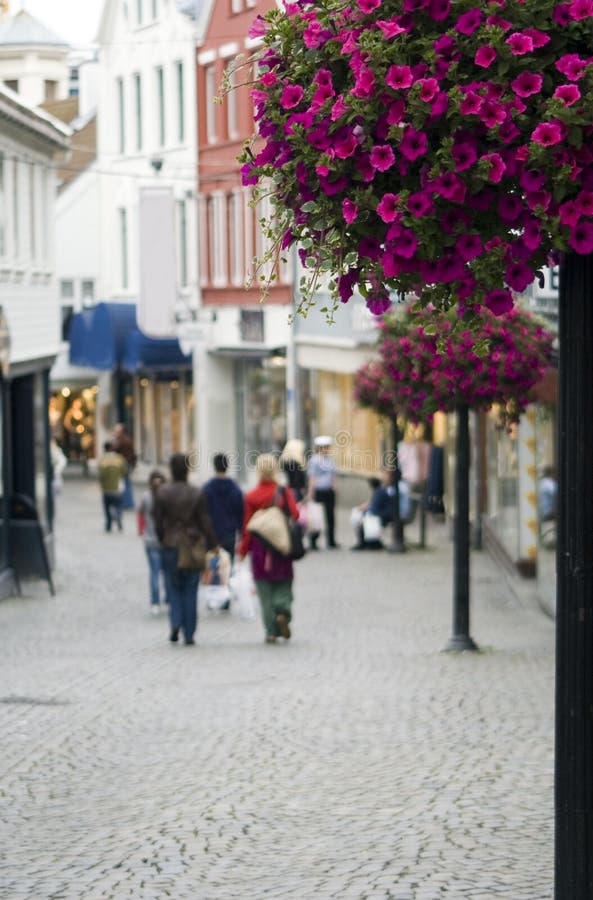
column 357, row 761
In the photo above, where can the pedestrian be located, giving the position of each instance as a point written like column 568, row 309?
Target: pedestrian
column 58, row 465
column 224, row 501
column 272, row 573
column 380, row 509
column 112, row 472
column 321, row 473
column 294, row 466
column 147, row 530
column 123, row 444
column 183, row 528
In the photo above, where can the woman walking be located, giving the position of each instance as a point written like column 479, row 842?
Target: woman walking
column 147, row 530
column 185, row 533
column 272, row 573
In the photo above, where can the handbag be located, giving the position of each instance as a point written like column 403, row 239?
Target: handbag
column 372, row 527
column 277, row 530
column 191, row 552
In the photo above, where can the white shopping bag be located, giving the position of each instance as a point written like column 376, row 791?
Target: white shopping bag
column 372, row 527
column 314, row 517
column 244, row 600
column 215, row 596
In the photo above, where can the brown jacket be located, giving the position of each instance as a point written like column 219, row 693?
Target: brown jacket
column 180, row 509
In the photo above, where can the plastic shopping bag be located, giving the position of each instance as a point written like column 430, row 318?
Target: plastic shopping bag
column 214, row 588
column 244, row 600
column 314, row 517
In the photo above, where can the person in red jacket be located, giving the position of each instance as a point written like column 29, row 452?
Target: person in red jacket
column 272, row 573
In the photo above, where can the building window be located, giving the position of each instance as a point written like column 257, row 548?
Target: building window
column 139, row 11
column 182, row 242
column 231, row 101
column 218, row 239
column 155, row 9
column 44, row 203
column 248, row 231
column 160, row 88
column 210, row 105
column 236, row 6
column 123, row 241
column 180, row 103
column 138, row 101
column 32, row 212
column 237, row 239
column 121, row 109
column 202, row 240
column 2, row 209
column 50, row 90
column 66, row 289
column 13, row 84
column 88, row 292
column 251, row 325
column 67, row 313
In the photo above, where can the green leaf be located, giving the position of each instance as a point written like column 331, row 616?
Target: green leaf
column 310, row 206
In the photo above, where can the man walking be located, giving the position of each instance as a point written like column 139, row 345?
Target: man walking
column 224, row 500
column 112, row 472
column 322, row 487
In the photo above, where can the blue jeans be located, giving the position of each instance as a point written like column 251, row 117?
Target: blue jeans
column 112, row 504
column 154, row 564
column 128, row 494
column 182, row 593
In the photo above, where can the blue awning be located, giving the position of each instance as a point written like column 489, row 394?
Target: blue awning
column 107, row 337
column 98, row 335
column 144, row 354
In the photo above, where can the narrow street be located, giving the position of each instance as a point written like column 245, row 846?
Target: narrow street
column 358, row 761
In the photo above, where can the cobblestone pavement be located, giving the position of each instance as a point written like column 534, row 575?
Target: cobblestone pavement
column 357, row 761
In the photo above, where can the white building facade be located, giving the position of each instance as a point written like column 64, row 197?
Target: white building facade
column 30, row 320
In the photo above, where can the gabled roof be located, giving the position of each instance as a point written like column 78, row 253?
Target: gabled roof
column 41, row 123
column 22, row 30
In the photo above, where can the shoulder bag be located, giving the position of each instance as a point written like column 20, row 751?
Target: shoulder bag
column 277, row 530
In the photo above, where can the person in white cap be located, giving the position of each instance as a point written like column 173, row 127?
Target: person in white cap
column 321, row 472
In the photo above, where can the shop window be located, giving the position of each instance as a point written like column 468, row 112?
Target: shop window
column 88, row 292
column 251, row 325
column 50, row 90
column 66, row 289
column 210, row 76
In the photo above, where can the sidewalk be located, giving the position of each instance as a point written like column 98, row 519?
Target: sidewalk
column 357, row 761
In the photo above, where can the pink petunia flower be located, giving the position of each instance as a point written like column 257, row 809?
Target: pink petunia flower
column 364, row 86
column 451, row 187
column 518, row 276
column 338, row 109
column 367, row 6
column 469, row 21
column 469, row 246
column 428, row 89
column 378, row 305
column 492, row 113
column 464, row 155
column 568, row 93
column 387, row 207
column 562, row 14
column 497, row 167
column 509, row 208
column 349, row 210
column 420, row 204
column 499, row 302
column 498, row 22
column 532, row 180
column 471, row 104
column 569, row 213
column 539, row 38
column 399, row 77
column 414, row 144
column 291, row 96
column 438, row 10
column 382, row 157
column 581, row 9
column 346, row 147
column 396, row 111
column 485, row 56
column 547, row 134
column 572, row 66
column 520, row 43
column 585, row 203
column 391, row 28
column 527, row 83
column 581, row 238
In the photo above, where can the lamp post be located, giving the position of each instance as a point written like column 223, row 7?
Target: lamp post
column 397, row 544
column 460, row 638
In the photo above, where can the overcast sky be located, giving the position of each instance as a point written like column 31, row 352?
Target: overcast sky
column 76, row 21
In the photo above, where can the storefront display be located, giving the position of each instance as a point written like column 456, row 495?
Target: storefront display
column 72, row 421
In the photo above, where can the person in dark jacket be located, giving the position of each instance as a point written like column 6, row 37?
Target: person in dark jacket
column 381, row 505
column 180, row 516
column 224, row 501
column 294, row 465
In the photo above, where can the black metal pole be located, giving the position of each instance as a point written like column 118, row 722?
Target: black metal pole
column 574, row 615
column 460, row 638
column 397, row 545
column 478, row 480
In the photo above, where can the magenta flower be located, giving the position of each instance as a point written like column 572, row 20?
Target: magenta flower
column 469, row 21
column 518, row 276
column 585, row 203
column 499, row 302
column 451, row 187
column 405, row 242
column 428, row 89
column 438, row 10
column 291, row 96
column 581, row 238
column 414, row 144
column 378, row 305
column 581, row 9
column 548, row 133
column 399, row 77
column 492, row 113
column 420, row 204
column 485, row 56
column 349, row 210
column 570, row 213
column 568, row 93
column 539, row 38
column 387, row 207
column 391, row 28
column 532, row 180
column 396, row 112
column 471, row 104
column 519, row 43
column 572, row 66
column 367, row 6
column 346, row 284
column 346, row 147
column 562, row 14
column 469, row 246
column 382, row 157
column 527, row 83
column 497, row 167
column 464, row 155
column 509, row 208
column 364, row 85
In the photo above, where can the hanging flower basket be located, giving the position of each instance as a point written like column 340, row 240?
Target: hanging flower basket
column 427, row 146
column 425, row 364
